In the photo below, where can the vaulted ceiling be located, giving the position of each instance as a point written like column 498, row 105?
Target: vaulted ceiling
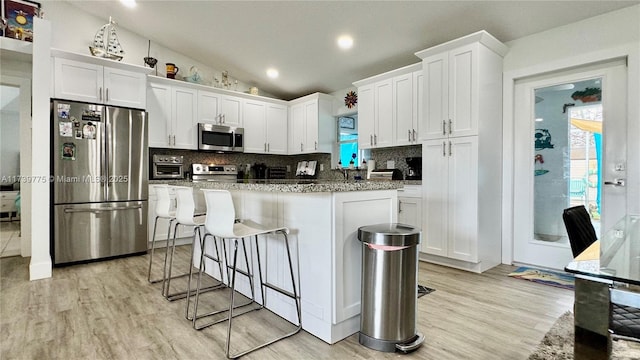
column 299, row 37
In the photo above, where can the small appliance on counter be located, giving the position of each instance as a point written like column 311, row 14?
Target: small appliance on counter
column 216, row 173
column 385, row 174
column 167, row 167
column 415, row 168
column 306, row 169
column 259, row 171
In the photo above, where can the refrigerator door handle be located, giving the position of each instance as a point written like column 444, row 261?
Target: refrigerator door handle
column 95, row 211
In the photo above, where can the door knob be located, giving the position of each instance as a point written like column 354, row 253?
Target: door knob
column 615, row 182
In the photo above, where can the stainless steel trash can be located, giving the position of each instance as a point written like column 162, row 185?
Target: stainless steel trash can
column 389, row 287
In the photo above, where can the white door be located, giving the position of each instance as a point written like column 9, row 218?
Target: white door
column 403, row 108
column 254, row 127
column 383, row 135
column 183, row 115
column 276, row 129
column 366, row 120
column 159, row 108
column 548, row 157
column 125, row 88
column 311, row 126
column 435, row 188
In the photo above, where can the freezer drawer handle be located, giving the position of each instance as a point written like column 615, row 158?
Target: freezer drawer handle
column 70, row 210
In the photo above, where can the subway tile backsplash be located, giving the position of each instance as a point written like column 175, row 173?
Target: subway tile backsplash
column 397, row 154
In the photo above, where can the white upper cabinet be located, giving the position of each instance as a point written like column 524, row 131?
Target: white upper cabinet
column 124, row 85
column 403, row 110
column 159, row 109
column 172, row 116
column 231, row 110
column 265, row 130
column 462, row 79
column 255, row 131
column 208, row 107
column 312, row 125
column 220, row 109
column 388, row 110
column 276, row 123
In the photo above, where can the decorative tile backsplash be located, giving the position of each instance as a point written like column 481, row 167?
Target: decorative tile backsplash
column 397, row 154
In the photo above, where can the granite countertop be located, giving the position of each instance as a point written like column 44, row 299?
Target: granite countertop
column 290, row 186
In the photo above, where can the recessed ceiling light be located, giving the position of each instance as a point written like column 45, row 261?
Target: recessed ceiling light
column 345, row 42
column 272, row 73
column 129, row 3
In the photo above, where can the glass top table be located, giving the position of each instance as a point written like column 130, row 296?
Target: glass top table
column 616, row 256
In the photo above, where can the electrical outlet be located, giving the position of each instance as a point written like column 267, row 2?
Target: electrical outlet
column 321, row 167
column 288, row 168
column 391, row 164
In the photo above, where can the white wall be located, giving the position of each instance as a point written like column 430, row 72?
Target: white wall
column 9, row 146
column 73, row 30
column 601, row 38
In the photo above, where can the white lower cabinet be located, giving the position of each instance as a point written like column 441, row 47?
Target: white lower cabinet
column 323, row 233
column 461, row 205
column 410, row 205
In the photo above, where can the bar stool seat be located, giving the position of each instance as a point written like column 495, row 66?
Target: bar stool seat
column 220, row 223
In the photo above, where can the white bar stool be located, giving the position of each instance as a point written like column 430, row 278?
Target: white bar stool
column 163, row 211
column 185, row 215
column 220, row 222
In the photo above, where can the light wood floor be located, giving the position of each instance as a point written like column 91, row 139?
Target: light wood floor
column 107, row 310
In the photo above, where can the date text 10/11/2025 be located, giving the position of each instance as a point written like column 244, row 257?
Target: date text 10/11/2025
column 65, row 179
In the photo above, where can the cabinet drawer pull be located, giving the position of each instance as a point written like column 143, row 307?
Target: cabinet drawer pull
column 107, row 92
column 100, row 94
column 450, row 126
column 449, row 148
column 315, row 144
column 375, row 139
column 301, row 146
column 444, row 148
column 409, row 138
column 414, row 134
column 444, row 127
column 371, row 140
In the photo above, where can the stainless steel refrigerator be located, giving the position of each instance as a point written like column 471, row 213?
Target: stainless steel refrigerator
column 99, row 173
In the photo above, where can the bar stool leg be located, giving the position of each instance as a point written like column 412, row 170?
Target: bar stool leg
column 167, row 278
column 166, row 254
column 233, row 291
column 153, row 247
column 193, row 247
column 264, row 283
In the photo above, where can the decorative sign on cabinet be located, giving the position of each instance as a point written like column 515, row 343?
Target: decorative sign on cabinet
column 461, row 192
column 89, row 79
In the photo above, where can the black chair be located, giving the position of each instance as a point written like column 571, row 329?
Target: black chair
column 579, row 228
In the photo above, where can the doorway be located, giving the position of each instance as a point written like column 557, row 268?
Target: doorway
column 15, row 170
column 570, row 131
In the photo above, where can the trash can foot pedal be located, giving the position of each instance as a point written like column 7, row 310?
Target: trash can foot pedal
column 410, row 346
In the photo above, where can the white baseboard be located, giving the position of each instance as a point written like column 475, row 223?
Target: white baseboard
column 41, row 270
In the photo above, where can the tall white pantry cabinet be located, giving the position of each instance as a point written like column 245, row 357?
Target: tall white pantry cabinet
column 461, row 154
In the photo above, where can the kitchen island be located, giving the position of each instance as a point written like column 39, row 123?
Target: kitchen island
column 323, row 218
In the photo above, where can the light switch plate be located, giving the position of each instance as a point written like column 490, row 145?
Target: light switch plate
column 391, row 164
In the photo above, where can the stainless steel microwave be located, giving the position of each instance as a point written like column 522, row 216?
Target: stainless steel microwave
column 220, row 138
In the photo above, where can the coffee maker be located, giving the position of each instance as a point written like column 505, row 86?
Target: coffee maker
column 415, row 168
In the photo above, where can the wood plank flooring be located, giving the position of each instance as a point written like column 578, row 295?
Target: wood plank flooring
column 107, row 310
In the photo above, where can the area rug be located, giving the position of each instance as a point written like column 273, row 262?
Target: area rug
column 423, row 290
column 557, row 343
column 546, row 277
